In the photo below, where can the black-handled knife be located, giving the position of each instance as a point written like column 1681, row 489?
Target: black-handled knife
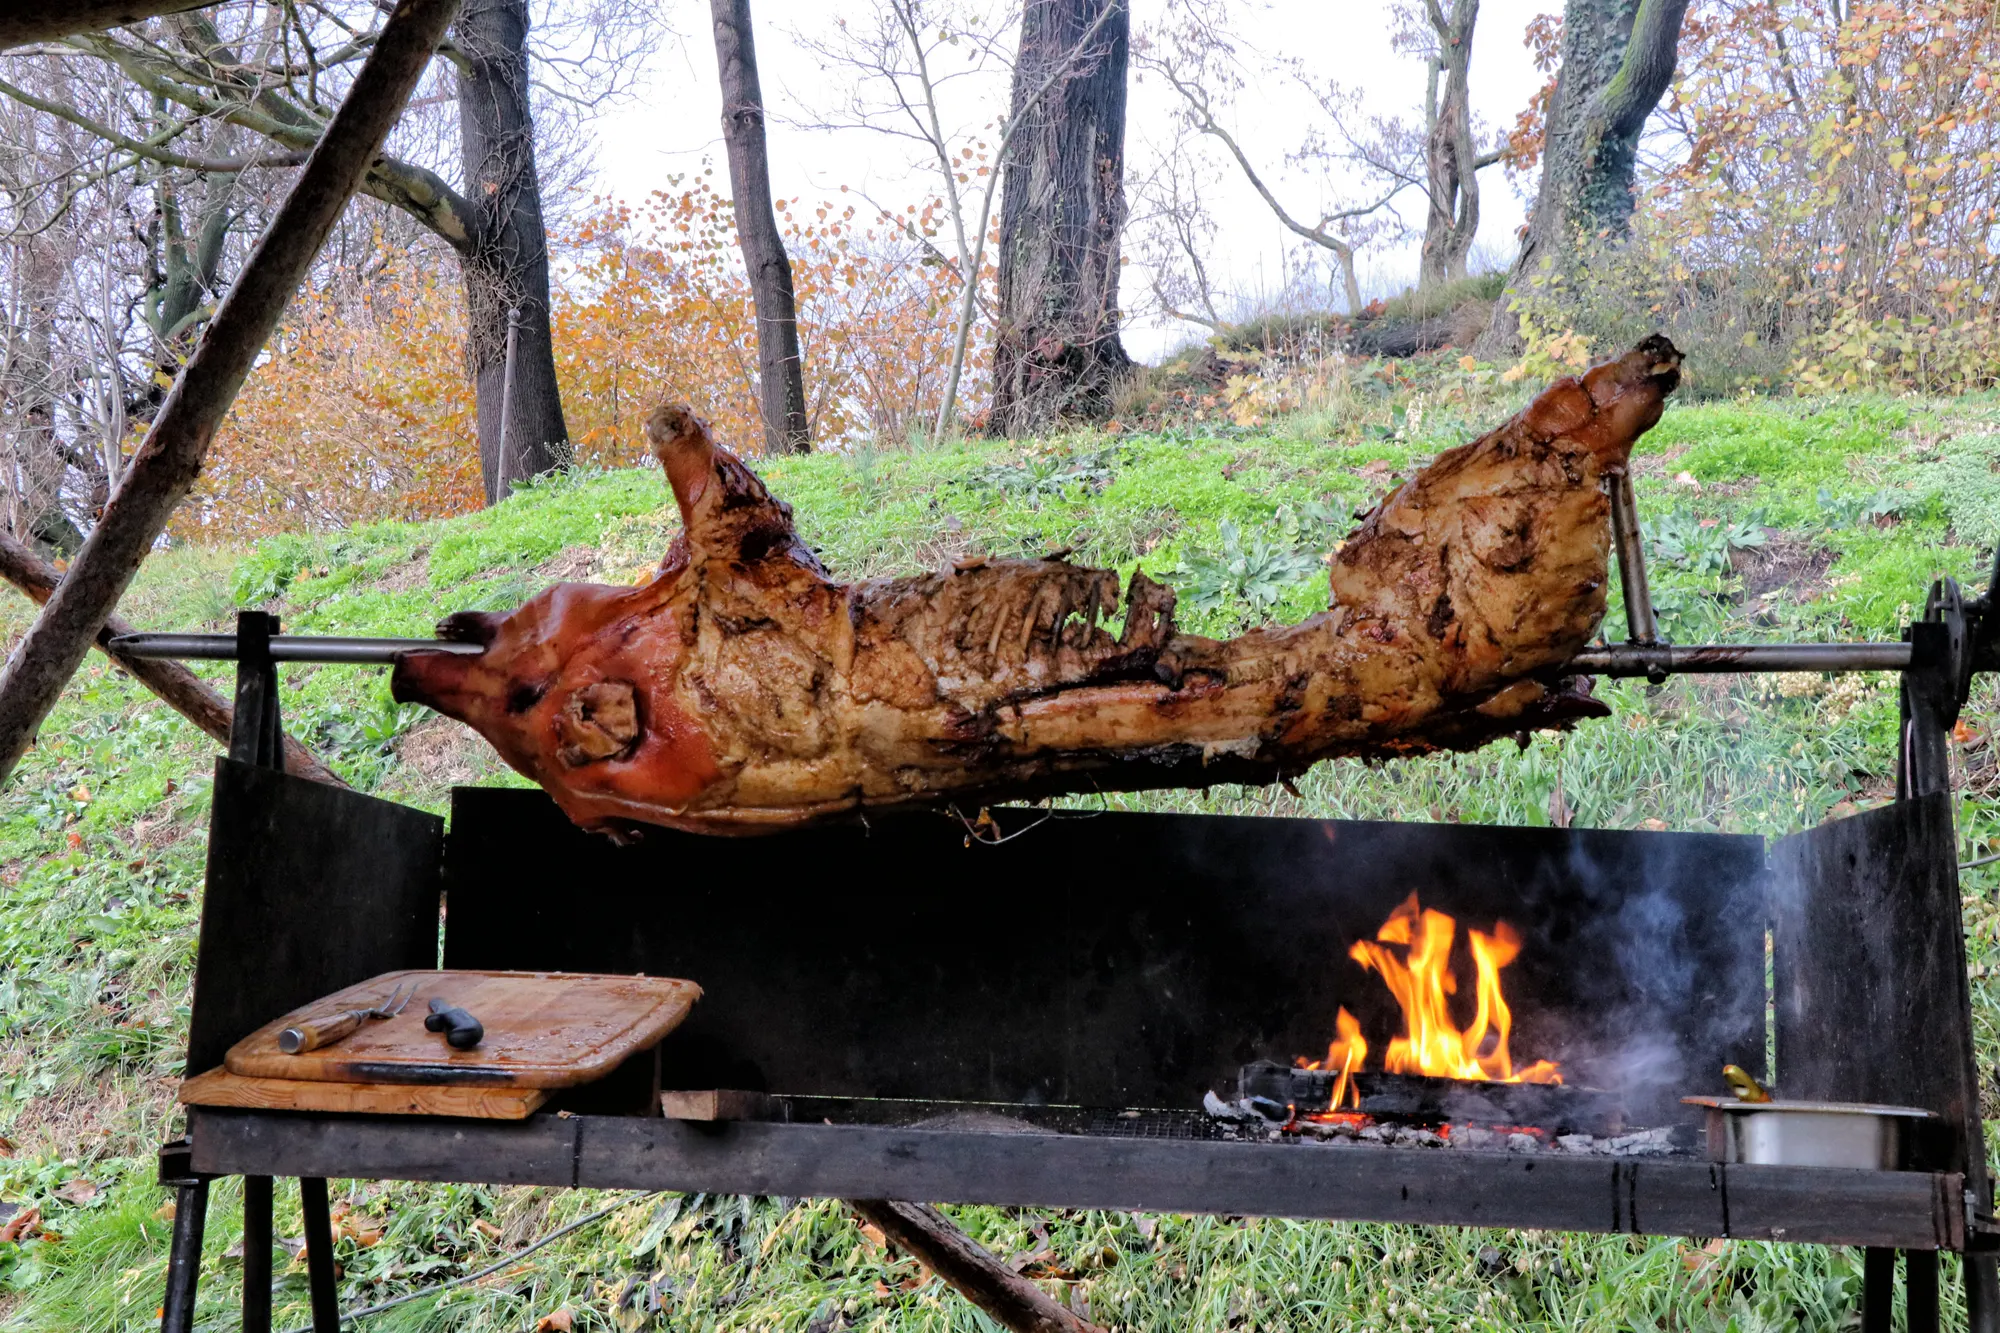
column 461, row 1030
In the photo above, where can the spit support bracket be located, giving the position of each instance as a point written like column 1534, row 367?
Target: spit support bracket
column 1939, row 662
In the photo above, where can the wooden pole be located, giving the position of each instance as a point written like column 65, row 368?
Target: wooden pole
column 24, row 21
column 170, row 458
column 1010, row 1299
column 179, row 688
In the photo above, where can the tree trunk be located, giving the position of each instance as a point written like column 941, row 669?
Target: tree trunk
column 507, row 265
column 1057, row 353
column 35, row 466
column 1617, row 60
column 781, row 384
column 1450, row 157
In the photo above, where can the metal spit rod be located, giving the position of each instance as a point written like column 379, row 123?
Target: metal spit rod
column 286, row 648
column 1615, row 660
column 1665, row 659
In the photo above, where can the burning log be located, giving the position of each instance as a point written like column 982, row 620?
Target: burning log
column 1419, row 1099
column 744, row 690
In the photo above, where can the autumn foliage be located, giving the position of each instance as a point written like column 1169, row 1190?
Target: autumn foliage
column 1849, row 152
column 363, row 409
column 1823, row 206
column 360, row 410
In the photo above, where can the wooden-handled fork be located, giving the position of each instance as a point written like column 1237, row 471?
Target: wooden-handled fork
column 309, row 1034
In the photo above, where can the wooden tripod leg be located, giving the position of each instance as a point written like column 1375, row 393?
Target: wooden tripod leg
column 319, row 1255
column 184, row 1257
column 1010, row 1299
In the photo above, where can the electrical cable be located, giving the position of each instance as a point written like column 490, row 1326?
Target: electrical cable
column 347, row 1316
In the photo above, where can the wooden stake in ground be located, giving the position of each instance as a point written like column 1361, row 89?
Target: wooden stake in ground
column 182, row 690
column 929, row 1236
column 170, row 457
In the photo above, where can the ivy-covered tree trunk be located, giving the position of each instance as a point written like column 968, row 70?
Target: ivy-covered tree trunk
column 506, row 264
column 1617, row 61
column 1057, row 352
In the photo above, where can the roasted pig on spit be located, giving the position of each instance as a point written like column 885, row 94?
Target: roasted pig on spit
column 743, row 689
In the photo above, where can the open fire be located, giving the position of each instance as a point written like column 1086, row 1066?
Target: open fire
column 1412, row 953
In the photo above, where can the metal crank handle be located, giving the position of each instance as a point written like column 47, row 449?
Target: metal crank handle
column 310, row 1034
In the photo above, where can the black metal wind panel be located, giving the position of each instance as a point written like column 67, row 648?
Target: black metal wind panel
column 1115, row 959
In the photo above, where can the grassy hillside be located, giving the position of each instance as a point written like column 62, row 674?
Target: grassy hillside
column 1797, row 519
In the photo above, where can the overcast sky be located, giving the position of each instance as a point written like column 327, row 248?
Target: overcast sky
column 672, row 125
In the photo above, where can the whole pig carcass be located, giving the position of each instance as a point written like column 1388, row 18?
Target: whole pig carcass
column 744, row 690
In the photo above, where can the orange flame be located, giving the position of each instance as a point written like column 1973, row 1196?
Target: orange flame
column 1418, row 973
column 1345, row 1053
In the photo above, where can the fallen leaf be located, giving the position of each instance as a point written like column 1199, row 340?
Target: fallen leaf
column 873, row 1235
column 1655, row 825
column 562, row 1321
column 486, row 1229
column 6, row 1146
column 1049, row 1269
column 24, row 1223
column 167, row 1211
column 77, row 1191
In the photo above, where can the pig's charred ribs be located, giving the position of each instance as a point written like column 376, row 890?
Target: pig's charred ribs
column 743, row 689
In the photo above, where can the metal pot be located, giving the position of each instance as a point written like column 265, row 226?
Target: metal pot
column 1783, row 1133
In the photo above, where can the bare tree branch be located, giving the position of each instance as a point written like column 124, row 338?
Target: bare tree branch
column 170, row 458
column 149, row 149
column 1012, row 1300
column 1195, row 98
column 421, row 193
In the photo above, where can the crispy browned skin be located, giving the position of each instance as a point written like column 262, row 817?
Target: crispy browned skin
column 744, row 690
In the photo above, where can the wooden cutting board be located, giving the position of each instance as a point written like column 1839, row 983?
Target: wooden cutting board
column 219, row 1087
column 543, row 1030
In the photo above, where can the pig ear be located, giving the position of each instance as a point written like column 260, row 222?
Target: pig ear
column 478, row 627
column 682, row 443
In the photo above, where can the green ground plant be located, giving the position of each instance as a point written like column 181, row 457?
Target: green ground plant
column 1813, row 519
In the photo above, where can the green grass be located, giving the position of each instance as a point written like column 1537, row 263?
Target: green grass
column 101, row 856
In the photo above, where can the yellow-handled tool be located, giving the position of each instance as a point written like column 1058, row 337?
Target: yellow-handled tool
column 309, row 1034
column 1746, row 1088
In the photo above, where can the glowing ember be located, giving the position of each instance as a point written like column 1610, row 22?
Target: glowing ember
column 1412, row 953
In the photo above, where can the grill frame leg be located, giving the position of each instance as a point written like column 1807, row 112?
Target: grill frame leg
column 256, row 1254
column 319, row 1254
column 1920, row 1291
column 1982, row 1290
column 184, row 1255
column 1878, row 1290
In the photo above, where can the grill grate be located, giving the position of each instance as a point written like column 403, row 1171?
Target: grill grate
column 1151, row 1125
